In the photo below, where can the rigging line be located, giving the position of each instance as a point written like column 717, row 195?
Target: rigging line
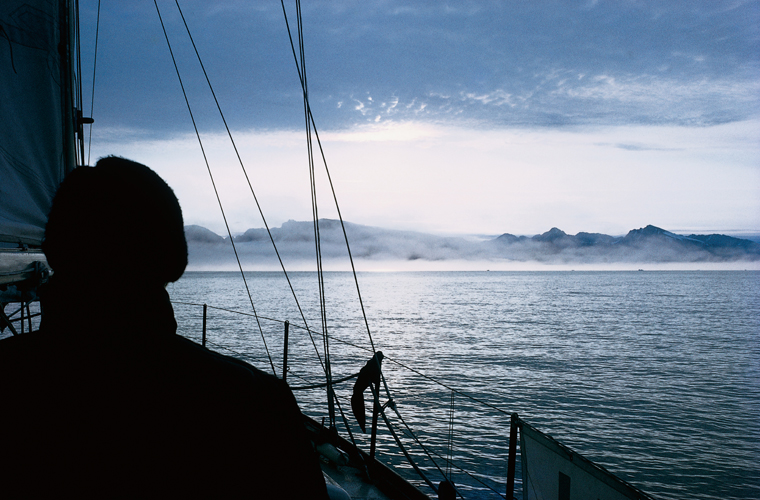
column 302, row 77
column 472, row 476
column 406, row 453
column 301, row 70
column 312, row 178
column 216, row 192
column 78, row 105
column 386, row 358
column 248, row 180
column 315, row 216
column 301, row 376
column 342, row 413
column 234, row 312
column 414, row 436
column 293, row 325
column 242, row 313
column 350, row 256
column 450, row 443
column 318, row 386
column 337, row 402
column 309, row 123
column 464, row 394
column 348, row 246
column 315, row 386
column 345, row 235
column 306, row 104
column 324, row 159
column 296, row 375
column 94, row 67
column 409, row 432
column 345, row 420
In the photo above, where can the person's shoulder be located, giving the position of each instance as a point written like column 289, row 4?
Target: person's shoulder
column 227, row 366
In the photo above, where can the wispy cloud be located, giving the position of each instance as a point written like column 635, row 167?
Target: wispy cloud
column 641, row 147
column 496, row 98
column 574, row 98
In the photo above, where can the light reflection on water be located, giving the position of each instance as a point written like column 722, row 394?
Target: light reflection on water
column 654, row 375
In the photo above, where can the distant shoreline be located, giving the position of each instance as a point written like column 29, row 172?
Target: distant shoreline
column 475, row 267
column 378, row 249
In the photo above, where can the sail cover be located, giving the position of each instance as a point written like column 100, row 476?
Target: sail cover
column 553, row 471
column 34, row 105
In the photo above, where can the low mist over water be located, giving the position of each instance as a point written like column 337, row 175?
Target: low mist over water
column 384, row 249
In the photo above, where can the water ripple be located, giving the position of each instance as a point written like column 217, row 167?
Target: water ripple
column 655, row 376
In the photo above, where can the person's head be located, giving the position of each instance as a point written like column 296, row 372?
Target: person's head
column 116, row 221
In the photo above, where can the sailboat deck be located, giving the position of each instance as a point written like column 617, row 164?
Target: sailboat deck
column 353, row 482
column 361, row 476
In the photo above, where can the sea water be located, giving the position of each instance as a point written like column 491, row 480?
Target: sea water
column 653, row 375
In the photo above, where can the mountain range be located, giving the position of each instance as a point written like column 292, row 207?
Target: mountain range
column 295, row 242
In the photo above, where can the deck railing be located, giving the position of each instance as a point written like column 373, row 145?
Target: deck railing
column 433, row 457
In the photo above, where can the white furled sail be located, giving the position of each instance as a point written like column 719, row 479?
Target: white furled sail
column 553, row 471
column 37, row 117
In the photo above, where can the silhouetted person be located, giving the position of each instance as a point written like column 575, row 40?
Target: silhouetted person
column 106, row 400
column 369, row 374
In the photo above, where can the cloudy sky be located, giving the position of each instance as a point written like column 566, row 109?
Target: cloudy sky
column 469, row 117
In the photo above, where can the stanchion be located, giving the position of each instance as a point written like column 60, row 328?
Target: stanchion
column 512, row 456
column 375, row 413
column 285, row 352
column 204, row 326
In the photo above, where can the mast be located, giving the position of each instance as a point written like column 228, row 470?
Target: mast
column 71, row 88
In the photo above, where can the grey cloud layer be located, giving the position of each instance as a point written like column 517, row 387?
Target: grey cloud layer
column 488, row 63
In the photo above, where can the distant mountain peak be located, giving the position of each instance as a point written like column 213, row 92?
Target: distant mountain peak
column 648, row 230
column 199, row 234
column 551, row 235
column 654, row 231
column 294, row 240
